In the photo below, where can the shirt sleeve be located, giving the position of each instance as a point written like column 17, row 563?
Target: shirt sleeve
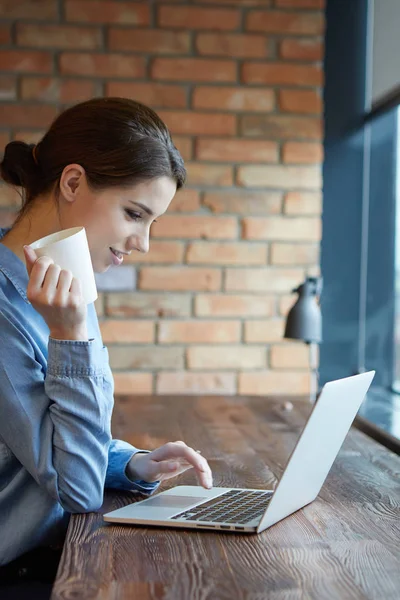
column 119, row 455
column 57, row 423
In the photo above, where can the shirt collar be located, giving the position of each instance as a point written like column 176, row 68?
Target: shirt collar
column 13, row 267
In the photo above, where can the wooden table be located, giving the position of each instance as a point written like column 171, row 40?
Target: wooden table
column 346, row 544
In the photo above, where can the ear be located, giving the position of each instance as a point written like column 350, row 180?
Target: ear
column 72, row 179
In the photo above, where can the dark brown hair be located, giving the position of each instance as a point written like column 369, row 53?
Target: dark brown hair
column 119, row 142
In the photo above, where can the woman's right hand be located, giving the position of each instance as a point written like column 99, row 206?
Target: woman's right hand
column 57, row 296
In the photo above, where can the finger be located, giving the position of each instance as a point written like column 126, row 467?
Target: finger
column 169, row 450
column 51, row 280
column 165, row 470
column 63, row 286
column 38, row 273
column 76, row 287
column 182, row 451
column 30, row 258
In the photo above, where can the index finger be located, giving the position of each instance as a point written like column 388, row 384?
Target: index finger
column 30, row 258
column 38, row 273
column 180, row 450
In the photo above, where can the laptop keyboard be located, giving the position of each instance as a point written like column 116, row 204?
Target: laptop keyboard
column 235, row 506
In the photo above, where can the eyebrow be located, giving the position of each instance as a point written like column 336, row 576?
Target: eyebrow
column 145, row 208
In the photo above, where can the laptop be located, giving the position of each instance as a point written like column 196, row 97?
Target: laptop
column 253, row 510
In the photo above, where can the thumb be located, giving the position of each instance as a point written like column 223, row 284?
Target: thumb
column 30, row 258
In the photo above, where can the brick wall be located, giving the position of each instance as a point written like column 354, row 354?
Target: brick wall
column 239, row 85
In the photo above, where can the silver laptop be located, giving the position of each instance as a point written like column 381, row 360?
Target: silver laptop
column 237, row 509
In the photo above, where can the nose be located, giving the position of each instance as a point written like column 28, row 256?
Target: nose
column 140, row 243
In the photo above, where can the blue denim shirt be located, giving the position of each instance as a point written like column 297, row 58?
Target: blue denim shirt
column 56, row 400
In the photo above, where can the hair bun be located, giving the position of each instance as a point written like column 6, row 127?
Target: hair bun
column 18, row 166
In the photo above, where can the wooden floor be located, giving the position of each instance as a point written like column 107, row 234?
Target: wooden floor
column 346, row 544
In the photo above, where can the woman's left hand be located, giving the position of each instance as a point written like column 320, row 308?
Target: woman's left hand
column 168, row 461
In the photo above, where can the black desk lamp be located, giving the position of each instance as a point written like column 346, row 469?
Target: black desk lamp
column 304, row 322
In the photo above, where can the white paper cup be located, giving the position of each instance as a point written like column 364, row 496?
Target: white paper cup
column 69, row 249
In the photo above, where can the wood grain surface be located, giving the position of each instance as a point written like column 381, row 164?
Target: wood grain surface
column 346, row 544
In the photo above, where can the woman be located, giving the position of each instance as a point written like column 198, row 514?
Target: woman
column 109, row 165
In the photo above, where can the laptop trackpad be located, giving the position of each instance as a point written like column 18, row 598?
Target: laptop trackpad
column 169, row 501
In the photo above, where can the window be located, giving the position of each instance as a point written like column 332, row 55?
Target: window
column 360, row 252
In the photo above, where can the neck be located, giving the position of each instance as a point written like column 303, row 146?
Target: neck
column 40, row 220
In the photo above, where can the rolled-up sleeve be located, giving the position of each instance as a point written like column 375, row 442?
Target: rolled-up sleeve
column 57, row 423
column 119, row 455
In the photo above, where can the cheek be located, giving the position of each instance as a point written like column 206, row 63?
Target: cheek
column 104, row 230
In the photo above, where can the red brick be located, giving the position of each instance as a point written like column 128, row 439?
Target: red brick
column 185, row 200
column 274, row 382
column 300, row 101
column 302, row 203
column 195, row 383
column 185, row 147
column 10, row 196
column 294, row 254
column 53, row 89
column 159, row 253
column 282, row 73
column 141, row 304
column 232, row 44
column 132, row 383
column 101, row 65
column 157, row 95
column 197, row 123
column 268, row 279
column 8, row 87
column 22, row 61
column 223, row 150
column 97, row 11
column 234, row 305
column 215, row 253
column 29, row 136
column 214, row 175
column 5, row 34
column 300, row 3
column 153, row 41
column 266, row 331
column 239, row 3
column 302, row 152
column 194, row 17
column 243, row 202
column 280, row 228
column 301, row 23
column 146, row 357
column 281, row 127
column 4, row 139
column 281, row 177
column 186, row 332
column 193, row 69
column 125, row 331
column 180, row 278
column 99, row 305
column 234, row 98
column 26, row 9
column 301, row 49
column 226, row 357
column 290, row 356
column 58, row 36
column 199, row 226
column 27, row 115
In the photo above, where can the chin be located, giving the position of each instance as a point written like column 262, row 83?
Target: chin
column 101, row 269
column 104, row 269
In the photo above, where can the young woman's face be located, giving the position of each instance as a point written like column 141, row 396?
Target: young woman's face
column 118, row 220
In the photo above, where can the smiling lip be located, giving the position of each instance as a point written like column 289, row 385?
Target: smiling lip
column 117, row 257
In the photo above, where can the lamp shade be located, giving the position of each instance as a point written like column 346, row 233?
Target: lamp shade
column 304, row 321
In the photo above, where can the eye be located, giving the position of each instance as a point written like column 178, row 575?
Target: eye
column 134, row 215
